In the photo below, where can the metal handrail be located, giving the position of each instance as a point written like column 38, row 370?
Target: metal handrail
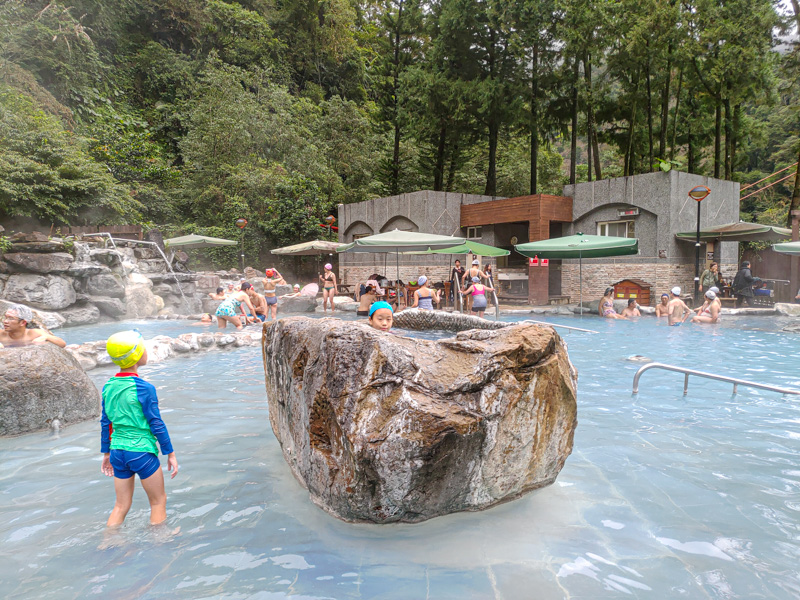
column 736, row 382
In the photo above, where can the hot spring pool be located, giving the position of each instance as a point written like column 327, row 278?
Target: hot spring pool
column 664, row 496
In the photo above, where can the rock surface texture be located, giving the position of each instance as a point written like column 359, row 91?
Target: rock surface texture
column 382, row 428
column 40, row 383
column 416, row 319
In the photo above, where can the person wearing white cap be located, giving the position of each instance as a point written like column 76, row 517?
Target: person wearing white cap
column 677, row 310
column 469, row 275
column 15, row 331
column 424, row 297
column 709, row 311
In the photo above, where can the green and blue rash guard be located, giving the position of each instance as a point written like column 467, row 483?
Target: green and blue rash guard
column 131, row 419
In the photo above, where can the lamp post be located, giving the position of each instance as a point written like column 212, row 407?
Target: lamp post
column 240, row 223
column 699, row 194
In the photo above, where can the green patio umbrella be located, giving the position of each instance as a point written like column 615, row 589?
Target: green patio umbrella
column 312, row 248
column 197, row 241
column 470, row 247
column 580, row 246
column 792, row 248
column 402, row 241
column 737, row 232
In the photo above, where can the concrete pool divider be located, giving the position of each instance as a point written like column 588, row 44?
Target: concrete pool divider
column 91, row 355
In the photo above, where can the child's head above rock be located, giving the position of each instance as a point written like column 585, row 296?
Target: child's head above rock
column 381, row 315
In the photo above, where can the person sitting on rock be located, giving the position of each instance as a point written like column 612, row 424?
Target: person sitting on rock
column 381, row 316
column 218, row 295
column 606, row 305
column 365, row 301
column 15, row 330
column 709, row 311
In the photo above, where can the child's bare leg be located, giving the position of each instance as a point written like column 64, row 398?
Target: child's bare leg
column 124, row 491
column 154, row 488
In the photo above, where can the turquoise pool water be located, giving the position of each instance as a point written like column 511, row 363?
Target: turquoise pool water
column 664, row 496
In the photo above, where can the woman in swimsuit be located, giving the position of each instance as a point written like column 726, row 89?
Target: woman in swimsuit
column 424, row 297
column 228, row 308
column 606, row 305
column 328, row 287
column 709, row 311
column 272, row 280
column 478, row 293
column 474, row 271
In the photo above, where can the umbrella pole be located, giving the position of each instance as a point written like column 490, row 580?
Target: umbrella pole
column 580, row 282
column 397, row 282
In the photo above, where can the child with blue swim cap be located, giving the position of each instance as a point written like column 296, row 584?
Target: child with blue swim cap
column 381, row 316
column 130, row 426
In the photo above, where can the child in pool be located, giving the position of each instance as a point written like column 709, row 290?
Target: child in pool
column 129, row 428
column 381, row 316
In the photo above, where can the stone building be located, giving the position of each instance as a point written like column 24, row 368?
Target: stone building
column 652, row 207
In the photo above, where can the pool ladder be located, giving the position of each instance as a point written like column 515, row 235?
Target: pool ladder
column 736, row 382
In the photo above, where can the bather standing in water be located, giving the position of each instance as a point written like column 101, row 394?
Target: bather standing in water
column 677, row 310
column 272, row 280
column 424, row 297
column 477, row 291
column 15, row 330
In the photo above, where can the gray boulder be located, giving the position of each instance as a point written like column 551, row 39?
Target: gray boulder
column 416, row 319
column 107, row 256
column 40, row 383
column 382, row 428
column 81, row 315
column 40, row 246
column 107, row 284
column 788, row 310
column 50, row 292
column 113, row 307
column 56, row 262
column 87, row 269
column 297, row 304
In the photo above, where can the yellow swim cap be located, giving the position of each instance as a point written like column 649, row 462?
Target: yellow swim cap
column 125, row 348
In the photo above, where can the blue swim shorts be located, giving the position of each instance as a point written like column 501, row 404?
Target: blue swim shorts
column 127, row 464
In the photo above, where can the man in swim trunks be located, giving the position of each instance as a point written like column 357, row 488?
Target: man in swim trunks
column 272, row 280
column 15, row 330
column 677, row 310
column 258, row 301
column 662, row 310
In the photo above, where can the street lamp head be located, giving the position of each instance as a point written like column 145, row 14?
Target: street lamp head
column 699, row 193
column 240, row 223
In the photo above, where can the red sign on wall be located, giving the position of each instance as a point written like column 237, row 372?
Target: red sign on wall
column 545, row 262
column 533, row 262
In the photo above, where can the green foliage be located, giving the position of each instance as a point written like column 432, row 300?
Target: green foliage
column 5, row 244
column 48, row 174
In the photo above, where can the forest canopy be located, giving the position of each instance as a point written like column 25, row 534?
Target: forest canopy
column 189, row 114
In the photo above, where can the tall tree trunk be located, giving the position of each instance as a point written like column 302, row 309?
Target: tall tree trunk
column 717, row 137
column 735, row 137
column 573, row 149
column 535, row 119
column 675, row 116
column 692, row 155
column 728, row 137
column 628, row 168
column 662, row 134
column 494, row 125
column 795, row 203
column 649, row 111
column 395, row 171
column 491, row 175
column 438, row 169
column 594, row 152
column 454, row 156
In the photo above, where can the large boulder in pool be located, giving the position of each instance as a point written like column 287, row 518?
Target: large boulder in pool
column 383, row 428
column 40, row 383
